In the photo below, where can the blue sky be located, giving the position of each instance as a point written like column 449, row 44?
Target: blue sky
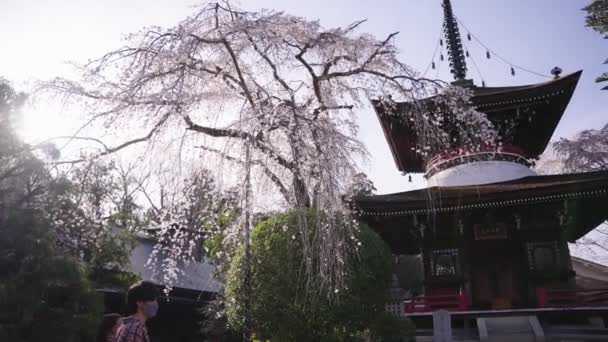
column 540, row 34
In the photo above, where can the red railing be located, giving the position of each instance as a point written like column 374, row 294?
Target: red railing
column 548, row 298
column 437, row 301
column 467, row 150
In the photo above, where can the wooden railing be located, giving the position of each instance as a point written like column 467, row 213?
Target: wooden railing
column 468, row 150
column 548, row 298
column 432, row 302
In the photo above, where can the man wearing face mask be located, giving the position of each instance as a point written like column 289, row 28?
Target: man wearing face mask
column 142, row 303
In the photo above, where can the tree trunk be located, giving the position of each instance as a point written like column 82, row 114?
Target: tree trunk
column 301, row 193
column 246, row 262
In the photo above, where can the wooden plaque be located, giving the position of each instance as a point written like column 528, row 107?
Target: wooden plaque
column 494, row 231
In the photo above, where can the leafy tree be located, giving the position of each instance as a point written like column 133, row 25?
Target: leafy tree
column 44, row 295
column 82, row 205
column 92, row 210
column 53, row 248
column 281, row 306
column 361, row 186
column 22, row 175
column 597, row 15
column 597, row 18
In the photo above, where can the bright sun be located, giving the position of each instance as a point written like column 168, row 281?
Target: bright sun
column 43, row 121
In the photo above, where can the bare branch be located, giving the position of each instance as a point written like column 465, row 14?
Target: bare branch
column 354, row 25
column 243, row 83
column 231, row 133
column 73, row 137
column 275, row 72
column 128, row 143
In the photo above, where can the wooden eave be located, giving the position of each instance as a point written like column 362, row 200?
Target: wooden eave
column 536, row 110
column 393, row 215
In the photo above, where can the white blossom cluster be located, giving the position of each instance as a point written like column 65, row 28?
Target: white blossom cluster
column 446, row 121
column 197, row 212
column 588, row 151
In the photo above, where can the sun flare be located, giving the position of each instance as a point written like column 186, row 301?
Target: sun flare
column 42, row 122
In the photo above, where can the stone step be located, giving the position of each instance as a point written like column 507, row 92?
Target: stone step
column 513, row 328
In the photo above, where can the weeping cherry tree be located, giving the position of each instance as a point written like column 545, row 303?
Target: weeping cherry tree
column 272, row 96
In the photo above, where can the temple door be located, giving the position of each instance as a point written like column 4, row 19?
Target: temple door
column 494, row 276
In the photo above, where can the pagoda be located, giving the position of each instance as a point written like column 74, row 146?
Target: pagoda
column 492, row 234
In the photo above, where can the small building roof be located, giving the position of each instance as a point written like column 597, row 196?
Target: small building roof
column 191, row 275
column 589, row 274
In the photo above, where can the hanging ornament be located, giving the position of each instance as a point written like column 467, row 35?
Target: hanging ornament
column 468, row 36
column 467, row 53
column 512, row 71
column 441, row 57
column 440, row 42
column 488, row 56
column 433, row 65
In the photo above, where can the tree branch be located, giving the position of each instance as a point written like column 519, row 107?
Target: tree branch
column 237, row 66
column 231, row 133
column 274, row 178
column 107, row 151
column 70, row 138
column 275, row 72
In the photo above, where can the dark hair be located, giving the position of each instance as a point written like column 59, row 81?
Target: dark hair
column 105, row 327
column 142, row 291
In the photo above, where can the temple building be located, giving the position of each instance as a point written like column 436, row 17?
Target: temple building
column 493, row 235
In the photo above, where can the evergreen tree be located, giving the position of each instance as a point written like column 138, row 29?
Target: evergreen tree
column 45, row 295
column 597, row 18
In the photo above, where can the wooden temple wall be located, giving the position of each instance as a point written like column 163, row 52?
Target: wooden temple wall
column 497, row 257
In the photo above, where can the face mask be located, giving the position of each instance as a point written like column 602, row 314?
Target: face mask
column 150, row 309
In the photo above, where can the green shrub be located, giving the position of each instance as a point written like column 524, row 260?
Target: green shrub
column 283, row 307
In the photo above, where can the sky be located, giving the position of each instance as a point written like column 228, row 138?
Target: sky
column 41, row 36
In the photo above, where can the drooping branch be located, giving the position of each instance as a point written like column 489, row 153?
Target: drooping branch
column 274, row 178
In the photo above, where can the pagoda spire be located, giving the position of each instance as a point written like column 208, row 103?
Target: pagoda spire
column 458, row 65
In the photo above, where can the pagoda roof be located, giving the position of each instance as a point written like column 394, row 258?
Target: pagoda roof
column 535, row 111
column 588, row 192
